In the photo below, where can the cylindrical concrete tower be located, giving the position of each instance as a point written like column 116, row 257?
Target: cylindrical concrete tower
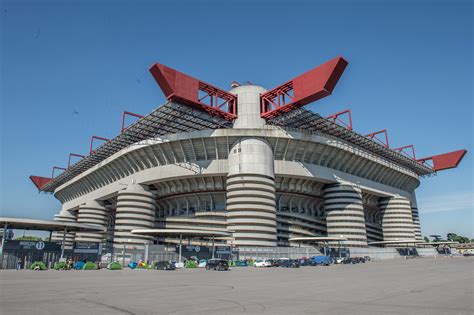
column 397, row 221
column 345, row 213
column 93, row 212
column 251, row 179
column 248, row 106
column 416, row 218
column 135, row 210
column 65, row 216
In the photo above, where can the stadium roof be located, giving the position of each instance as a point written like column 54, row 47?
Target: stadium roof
column 173, row 118
column 183, row 232
column 166, row 119
column 306, row 120
column 42, row 225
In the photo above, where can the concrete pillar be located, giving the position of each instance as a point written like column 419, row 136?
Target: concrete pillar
column 397, row 221
column 345, row 213
column 135, row 210
column 65, row 216
column 93, row 212
column 251, row 208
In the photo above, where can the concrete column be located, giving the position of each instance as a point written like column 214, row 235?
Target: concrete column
column 397, row 221
column 65, row 216
column 135, row 210
column 93, row 212
column 345, row 213
column 251, row 193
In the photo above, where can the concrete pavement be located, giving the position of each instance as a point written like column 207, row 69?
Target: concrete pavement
column 418, row 286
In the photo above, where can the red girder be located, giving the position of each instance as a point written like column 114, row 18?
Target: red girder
column 304, row 89
column 92, row 142
column 125, row 113
column 374, row 137
column 56, row 168
column 444, row 161
column 403, row 151
column 183, row 88
column 40, row 181
column 337, row 118
column 71, row 155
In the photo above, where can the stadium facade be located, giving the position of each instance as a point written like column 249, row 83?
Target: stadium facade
column 250, row 161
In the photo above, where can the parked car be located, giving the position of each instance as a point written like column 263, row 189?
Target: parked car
column 262, row 263
column 339, row 260
column 359, row 259
column 202, row 263
column 217, row 264
column 280, row 261
column 322, row 260
column 165, row 265
column 290, row 263
column 307, row 262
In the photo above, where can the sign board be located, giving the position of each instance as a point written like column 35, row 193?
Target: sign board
column 35, row 246
column 87, row 248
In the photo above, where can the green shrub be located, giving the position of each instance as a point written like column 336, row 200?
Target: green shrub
column 60, row 265
column 89, row 266
column 41, row 265
column 190, row 264
column 114, row 266
column 231, row 263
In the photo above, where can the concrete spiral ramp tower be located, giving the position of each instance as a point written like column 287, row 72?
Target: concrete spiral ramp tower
column 251, row 202
column 64, row 216
column 93, row 212
column 345, row 213
column 135, row 210
column 397, row 221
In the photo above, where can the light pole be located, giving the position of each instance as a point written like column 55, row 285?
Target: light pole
column 180, row 248
column 213, row 246
column 62, row 243
column 123, row 255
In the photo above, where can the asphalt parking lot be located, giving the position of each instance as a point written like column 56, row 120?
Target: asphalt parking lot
column 417, row 286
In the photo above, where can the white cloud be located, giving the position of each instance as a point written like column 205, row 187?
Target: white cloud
column 446, row 202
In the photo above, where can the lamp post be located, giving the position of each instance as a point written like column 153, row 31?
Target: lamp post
column 62, row 243
column 180, row 248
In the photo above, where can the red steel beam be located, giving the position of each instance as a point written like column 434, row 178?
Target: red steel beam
column 374, row 137
column 445, row 161
column 92, row 142
column 125, row 113
column 304, row 89
column 40, row 181
column 71, row 155
column 180, row 87
column 337, row 118
column 56, row 168
column 403, row 150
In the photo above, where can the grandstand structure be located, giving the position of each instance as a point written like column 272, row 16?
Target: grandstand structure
column 249, row 161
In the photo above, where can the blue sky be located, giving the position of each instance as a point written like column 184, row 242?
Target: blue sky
column 70, row 68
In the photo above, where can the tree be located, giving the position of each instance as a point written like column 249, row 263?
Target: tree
column 28, row 238
column 427, row 240
column 453, row 237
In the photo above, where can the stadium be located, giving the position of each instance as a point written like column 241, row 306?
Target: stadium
column 250, row 162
